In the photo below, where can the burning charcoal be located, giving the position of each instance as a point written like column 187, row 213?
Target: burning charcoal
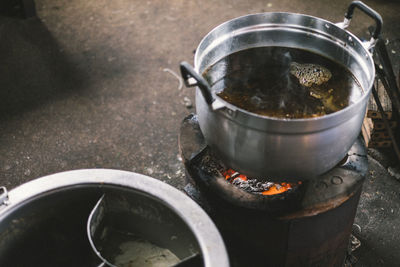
column 237, row 181
column 236, row 174
column 267, row 186
column 253, row 185
column 244, row 183
column 244, row 186
column 252, row 189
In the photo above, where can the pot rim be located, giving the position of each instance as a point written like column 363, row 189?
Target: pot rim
column 345, row 44
column 208, row 237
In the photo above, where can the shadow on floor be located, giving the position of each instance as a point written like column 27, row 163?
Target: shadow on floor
column 17, row 8
column 33, row 68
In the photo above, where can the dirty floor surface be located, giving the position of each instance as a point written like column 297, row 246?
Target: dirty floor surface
column 90, row 84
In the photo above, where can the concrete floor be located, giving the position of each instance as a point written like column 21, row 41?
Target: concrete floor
column 85, row 85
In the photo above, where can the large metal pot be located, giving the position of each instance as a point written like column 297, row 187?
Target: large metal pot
column 44, row 222
column 275, row 148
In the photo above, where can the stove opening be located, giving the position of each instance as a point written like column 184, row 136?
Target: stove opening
column 254, row 186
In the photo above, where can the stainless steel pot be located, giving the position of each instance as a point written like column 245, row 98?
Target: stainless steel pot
column 275, row 148
column 44, row 222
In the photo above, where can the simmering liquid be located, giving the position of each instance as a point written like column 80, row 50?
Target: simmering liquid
column 283, row 82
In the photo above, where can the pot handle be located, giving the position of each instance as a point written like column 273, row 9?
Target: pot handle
column 368, row 11
column 188, row 74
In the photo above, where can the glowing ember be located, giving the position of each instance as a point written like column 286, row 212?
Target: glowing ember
column 276, row 189
column 231, row 174
column 254, row 186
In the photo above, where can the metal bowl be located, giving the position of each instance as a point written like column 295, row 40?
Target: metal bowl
column 43, row 222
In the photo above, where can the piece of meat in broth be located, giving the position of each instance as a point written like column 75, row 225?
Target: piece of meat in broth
column 310, row 74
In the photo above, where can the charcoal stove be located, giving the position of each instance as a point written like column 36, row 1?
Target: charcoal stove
column 309, row 225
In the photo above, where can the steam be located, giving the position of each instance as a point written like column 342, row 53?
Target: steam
column 287, row 83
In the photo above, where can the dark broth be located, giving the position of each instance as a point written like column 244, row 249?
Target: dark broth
column 262, row 80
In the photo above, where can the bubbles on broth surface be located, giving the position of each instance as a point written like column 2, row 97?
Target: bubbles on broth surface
column 283, row 82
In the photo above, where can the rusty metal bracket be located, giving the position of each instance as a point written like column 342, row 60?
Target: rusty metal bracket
column 388, row 79
column 386, row 123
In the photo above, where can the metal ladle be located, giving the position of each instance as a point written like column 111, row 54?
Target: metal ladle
column 101, row 222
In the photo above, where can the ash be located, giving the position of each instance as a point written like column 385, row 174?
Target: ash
column 253, row 185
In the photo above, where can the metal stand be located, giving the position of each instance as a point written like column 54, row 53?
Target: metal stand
column 388, row 79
